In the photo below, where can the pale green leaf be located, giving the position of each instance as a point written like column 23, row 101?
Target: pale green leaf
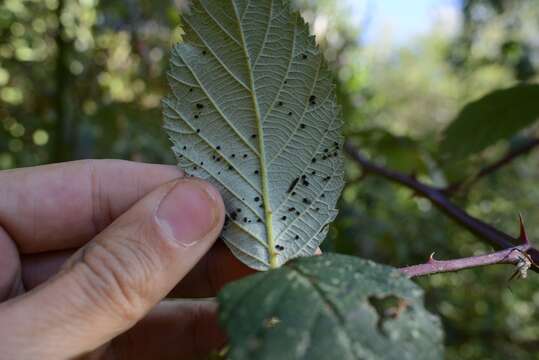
column 496, row 116
column 329, row 307
column 253, row 111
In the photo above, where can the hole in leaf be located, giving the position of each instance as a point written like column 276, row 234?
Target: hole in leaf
column 387, row 307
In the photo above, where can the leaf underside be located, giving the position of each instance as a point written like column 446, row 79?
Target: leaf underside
column 252, row 109
column 496, row 116
column 329, row 307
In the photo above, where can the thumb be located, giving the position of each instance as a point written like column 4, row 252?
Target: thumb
column 113, row 281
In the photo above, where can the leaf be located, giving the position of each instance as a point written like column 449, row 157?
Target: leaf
column 497, row 115
column 253, row 111
column 329, row 307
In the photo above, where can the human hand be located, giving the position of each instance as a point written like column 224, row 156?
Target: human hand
column 88, row 250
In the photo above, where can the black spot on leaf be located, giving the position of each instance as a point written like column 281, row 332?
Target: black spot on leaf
column 292, row 185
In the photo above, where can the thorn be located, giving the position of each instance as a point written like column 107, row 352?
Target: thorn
column 523, row 235
column 431, row 258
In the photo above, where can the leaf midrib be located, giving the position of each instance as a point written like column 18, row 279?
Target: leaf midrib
column 272, row 255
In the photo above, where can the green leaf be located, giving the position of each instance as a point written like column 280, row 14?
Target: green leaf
column 253, row 111
column 329, row 307
column 496, row 116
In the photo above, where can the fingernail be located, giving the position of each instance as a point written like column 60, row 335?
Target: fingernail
column 188, row 212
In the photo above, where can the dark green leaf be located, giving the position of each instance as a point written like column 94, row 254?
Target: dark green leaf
column 494, row 117
column 329, row 307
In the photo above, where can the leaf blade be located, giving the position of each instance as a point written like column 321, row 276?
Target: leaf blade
column 497, row 115
column 266, row 316
column 252, row 108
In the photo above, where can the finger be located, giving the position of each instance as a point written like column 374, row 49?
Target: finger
column 111, row 283
column 38, row 268
column 10, row 277
column 179, row 329
column 64, row 205
column 217, row 268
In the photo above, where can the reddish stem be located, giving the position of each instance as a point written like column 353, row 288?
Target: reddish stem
column 508, row 256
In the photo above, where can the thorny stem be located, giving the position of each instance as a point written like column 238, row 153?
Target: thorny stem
column 439, row 198
column 515, row 255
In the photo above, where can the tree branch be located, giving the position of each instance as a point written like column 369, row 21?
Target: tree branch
column 523, row 149
column 498, row 239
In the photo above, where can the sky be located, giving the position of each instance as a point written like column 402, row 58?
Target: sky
column 403, row 20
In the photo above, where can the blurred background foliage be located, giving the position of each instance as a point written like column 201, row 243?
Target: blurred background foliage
column 84, row 79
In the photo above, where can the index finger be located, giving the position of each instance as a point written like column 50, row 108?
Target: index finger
column 63, row 206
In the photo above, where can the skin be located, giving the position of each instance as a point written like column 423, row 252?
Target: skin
column 95, row 254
